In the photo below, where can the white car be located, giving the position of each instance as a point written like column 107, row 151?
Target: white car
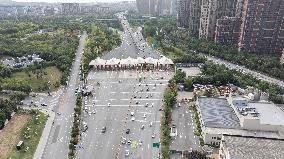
column 108, row 104
column 133, row 118
column 152, row 104
column 151, row 123
column 127, row 153
column 132, row 113
column 142, row 127
column 153, row 135
column 147, row 104
column 144, row 116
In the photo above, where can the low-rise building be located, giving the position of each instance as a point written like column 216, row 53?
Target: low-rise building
column 237, row 147
column 239, row 116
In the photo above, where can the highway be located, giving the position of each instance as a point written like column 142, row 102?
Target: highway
column 59, row 137
column 244, row 70
column 118, row 95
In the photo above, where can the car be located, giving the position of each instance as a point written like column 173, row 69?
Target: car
column 104, row 129
column 85, row 127
column 173, row 126
column 147, row 96
column 132, row 113
column 129, row 142
column 151, row 123
column 140, row 143
column 133, row 118
column 127, row 131
column 108, row 104
column 123, row 141
column 58, row 113
column 94, row 112
column 144, row 116
column 43, row 104
column 146, row 105
column 160, row 109
column 127, row 153
column 153, row 135
column 179, row 105
column 137, row 102
column 147, row 89
column 134, row 96
column 142, row 127
column 152, row 104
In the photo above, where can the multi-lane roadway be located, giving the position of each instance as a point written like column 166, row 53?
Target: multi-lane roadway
column 124, row 113
column 59, row 137
column 121, row 102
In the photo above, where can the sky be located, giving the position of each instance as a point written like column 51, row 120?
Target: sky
column 78, row 1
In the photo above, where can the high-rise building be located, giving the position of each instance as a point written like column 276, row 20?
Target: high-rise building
column 228, row 30
column 70, row 8
column 183, row 7
column 211, row 10
column 262, row 28
column 282, row 57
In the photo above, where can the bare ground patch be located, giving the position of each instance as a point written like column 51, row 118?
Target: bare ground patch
column 10, row 135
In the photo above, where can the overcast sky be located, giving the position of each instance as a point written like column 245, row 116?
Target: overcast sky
column 78, row 1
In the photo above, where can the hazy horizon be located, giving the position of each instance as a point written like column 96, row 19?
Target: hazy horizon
column 71, row 1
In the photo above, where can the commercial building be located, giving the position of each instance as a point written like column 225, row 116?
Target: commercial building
column 262, row 28
column 70, row 8
column 239, row 116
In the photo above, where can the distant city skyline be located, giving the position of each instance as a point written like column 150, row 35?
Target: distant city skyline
column 71, row 1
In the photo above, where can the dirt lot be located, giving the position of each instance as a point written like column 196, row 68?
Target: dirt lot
column 9, row 136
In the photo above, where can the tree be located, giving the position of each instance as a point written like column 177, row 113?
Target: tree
column 196, row 155
column 188, row 83
column 179, row 76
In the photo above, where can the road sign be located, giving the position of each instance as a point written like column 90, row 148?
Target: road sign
column 156, row 144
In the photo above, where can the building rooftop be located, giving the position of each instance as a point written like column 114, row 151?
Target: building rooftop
column 216, row 112
column 254, row 148
column 245, row 133
column 269, row 113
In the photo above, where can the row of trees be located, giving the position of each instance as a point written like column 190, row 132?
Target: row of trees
column 76, row 128
column 170, row 97
column 7, row 108
column 100, row 39
column 170, row 40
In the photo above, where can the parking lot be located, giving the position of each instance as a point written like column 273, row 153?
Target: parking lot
column 182, row 127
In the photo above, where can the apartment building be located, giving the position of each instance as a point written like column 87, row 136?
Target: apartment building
column 228, row 30
column 70, row 8
column 211, row 11
column 183, row 15
column 262, row 28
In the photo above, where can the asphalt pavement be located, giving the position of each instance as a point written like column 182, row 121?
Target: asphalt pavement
column 59, row 137
column 122, row 100
column 118, row 94
column 133, row 45
column 183, row 130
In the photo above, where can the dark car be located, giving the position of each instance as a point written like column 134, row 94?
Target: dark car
column 127, row 131
column 103, row 129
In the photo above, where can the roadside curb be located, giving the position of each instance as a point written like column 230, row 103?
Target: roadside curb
column 44, row 137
